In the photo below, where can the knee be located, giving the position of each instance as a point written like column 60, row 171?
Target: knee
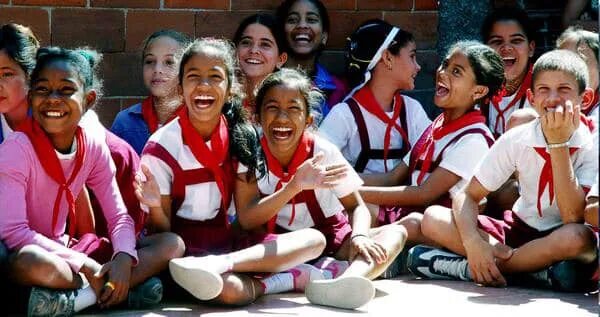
column 412, row 223
column 431, row 221
column 30, row 262
column 172, row 245
column 315, row 241
column 238, row 290
column 576, row 240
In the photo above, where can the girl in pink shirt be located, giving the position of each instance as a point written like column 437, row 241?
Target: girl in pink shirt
column 53, row 155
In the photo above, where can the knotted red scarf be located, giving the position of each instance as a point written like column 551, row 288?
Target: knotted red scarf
column 517, row 97
column 151, row 118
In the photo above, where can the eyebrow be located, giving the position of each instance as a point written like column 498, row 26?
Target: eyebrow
column 512, row 35
column 260, row 39
column 7, row 68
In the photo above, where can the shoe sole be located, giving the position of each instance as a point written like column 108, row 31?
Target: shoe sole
column 348, row 292
column 203, row 284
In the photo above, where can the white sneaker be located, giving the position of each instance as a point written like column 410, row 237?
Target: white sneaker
column 202, row 281
column 348, row 292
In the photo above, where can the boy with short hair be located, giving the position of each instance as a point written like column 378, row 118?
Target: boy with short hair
column 556, row 164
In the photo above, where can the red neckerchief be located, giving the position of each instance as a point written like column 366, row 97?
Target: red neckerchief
column 517, row 97
column 300, row 155
column 546, row 178
column 213, row 158
column 151, row 118
column 593, row 105
column 439, row 129
column 365, row 98
column 47, row 156
column 588, row 122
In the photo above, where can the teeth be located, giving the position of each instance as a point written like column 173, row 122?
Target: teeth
column 282, row 129
column 253, row 61
column 203, row 97
column 301, row 37
column 54, row 114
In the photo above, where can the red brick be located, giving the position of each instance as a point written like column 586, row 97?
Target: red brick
column 343, row 23
column 122, row 74
column 426, row 5
column 198, row 4
column 126, row 3
column 218, row 24
column 340, row 4
column 423, row 25
column 103, row 30
column 3, row 1
column 254, row 5
column 385, row 4
column 107, row 109
column 35, row 18
column 54, row 3
column 142, row 23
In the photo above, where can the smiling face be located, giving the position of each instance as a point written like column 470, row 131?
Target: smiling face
column 205, row 87
column 13, row 84
column 304, row 28
column 551, row 89
column 58, row 100
column 456, row 86
column 160, row 66
column 283, row 117
column 258, row 53
column 510, row 41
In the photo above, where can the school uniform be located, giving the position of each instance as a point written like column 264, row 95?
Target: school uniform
column 200, row 183
column 5, row 129
column 444, row 145
column 361, row 130
column 523, row 150
column 498, row 112
column 136, row 123
column 36, row 207
column 319, row 208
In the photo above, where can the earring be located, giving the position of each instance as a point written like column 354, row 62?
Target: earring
column 389, row 66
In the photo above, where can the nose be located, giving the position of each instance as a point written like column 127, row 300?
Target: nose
column 254, row 48
column 418, row 66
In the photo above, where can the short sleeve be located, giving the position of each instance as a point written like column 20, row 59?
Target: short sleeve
column 455, row 159
column 337, row 127
column 498, row 165
column 161, row 172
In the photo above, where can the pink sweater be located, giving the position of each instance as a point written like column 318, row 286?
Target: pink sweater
column 27, row 196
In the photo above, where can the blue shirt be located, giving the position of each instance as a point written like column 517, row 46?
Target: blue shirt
column 333, row 89
column 130, row 126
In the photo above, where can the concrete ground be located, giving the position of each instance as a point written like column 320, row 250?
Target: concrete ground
column 400, row 296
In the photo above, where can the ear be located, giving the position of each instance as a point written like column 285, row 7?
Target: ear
column 180, row 89
column 530, row 96
column 309, row 121
column 480, row 91
column 282, row 59
column 587, row 97
column 531, row 48
column 90, row 99
column 324, row 38
column 387, row 58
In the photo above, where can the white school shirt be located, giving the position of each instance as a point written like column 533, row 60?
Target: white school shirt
column 460, row 158
column 339, row 127
column 202, row 201
column 6, row 130
column 514, row 151
column 493, row 114
column 328, row 199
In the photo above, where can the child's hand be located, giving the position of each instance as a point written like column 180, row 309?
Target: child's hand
column 147, row 191
column 119, row 274
column 558, row 126
column 311, row 174
column 368, row 249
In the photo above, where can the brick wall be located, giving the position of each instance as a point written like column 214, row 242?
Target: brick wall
column 118, row 27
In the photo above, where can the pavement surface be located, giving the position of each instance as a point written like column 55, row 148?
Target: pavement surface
column 399, row 297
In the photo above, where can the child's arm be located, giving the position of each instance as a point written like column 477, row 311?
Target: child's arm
column 148, row 193
column 436, row 185
column 254, row 211
column 558, row 127
column 86, row 222
column 392, row 178
column 361, row 243
column 591, row 212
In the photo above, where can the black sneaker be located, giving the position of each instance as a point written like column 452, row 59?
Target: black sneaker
column 428, row 262
column 145, row 295
column 397, row 267
column 44, row 302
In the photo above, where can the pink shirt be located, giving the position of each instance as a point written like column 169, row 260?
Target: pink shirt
column 27, row 196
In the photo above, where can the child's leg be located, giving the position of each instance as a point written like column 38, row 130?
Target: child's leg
column 439, row 226
column 568, row 242
column 34, row 266
column 154, row 253
column 238, row 290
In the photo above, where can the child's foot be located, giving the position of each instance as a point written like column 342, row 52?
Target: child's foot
column 50, row 302
column 303, row 274
column 397, row 267
column 330, row 267
column 201, row 276
column 428, row 262
column 348, row 292
column 145, row 295
column 563, row 276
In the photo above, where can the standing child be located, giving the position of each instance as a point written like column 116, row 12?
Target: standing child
column 555, row 164
column 309, row 185
column 437, row 167
column 199, row 161
column 376, row 126
column 259, row 49
column 160, row 58
column 306, row 27
column 35, row 161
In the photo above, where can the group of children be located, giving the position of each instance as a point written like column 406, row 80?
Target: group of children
column 253, row 182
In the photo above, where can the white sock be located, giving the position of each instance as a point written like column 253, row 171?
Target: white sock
column 278, row 283
column 327, row 274
column 85, row 298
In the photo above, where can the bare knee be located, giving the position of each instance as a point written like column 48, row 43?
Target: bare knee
column 412, row 224
column 433, row 219
column 30, row 265
column 315, row 242
column 171, row 245
column 392, row 237
column 238, row 290
column 576, row 241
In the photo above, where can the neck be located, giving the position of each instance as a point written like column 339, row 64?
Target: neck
column 206, row 128
column 513, row 85
column 62, row 141
column 16, row 116
column 307, row 63
column 454, row 113
column 383, row 91
column 251, row 84
column 284, row 159
column 166, row 106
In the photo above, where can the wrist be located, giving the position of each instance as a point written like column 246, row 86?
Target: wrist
column 124, row 258
column 358, row 235
column 556, row 145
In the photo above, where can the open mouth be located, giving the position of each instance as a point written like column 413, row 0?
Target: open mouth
column 509, row 61
column 53, row 114
column 302, row 38
column 441, row 90
column 281, row 133
column 203, row 101
column 252, row 61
